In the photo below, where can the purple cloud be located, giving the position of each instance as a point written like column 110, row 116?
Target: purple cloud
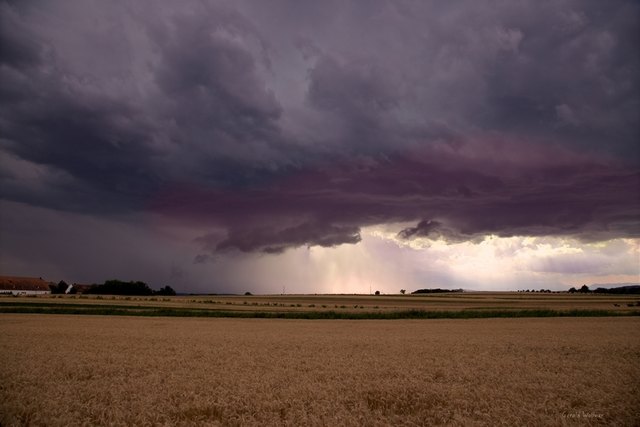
column 451, row 192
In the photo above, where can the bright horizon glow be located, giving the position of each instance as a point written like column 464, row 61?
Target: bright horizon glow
column 381, row 261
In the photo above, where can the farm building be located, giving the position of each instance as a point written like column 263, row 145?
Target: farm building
column 24, row 285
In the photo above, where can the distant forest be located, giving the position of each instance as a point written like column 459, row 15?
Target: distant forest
column 620, row 290
column 633, row 289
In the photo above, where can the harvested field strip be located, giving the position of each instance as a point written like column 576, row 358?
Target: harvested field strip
column 348, row 303
column 146, row 310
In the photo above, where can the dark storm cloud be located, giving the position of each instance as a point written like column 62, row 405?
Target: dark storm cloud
column 270, row 240
column 57, row 120
column 202, row 114
column 461, row 193
column 433, row 230
column 357, row 95
column 17, row 47
column 575, row 80
column 280, row 125
column 209, row 87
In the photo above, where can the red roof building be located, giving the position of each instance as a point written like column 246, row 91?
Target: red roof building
column 24, row 285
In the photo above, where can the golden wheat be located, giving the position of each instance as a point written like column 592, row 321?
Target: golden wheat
column 93, row 370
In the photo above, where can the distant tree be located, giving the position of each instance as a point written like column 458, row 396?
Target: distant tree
column 59, row 288
column 118, row 287
column 167, row 290
column 572, row 290
column 584, row 288
column 377, row 293
column 402, row 291
column 248, row 293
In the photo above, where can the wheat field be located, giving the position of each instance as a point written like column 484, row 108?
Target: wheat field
column 99, row 370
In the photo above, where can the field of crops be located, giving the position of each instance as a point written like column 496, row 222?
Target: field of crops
column 98, row 370
column 452, row 305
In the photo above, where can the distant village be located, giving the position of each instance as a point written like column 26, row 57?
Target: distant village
column 25, row 286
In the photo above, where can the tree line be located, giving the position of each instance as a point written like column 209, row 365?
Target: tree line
column 114, row 287
column 631, row 289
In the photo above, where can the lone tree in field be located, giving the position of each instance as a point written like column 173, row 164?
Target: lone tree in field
column 402, row 291
column 377, row 293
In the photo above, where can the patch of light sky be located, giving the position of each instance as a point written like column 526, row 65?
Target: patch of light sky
column 384, row 262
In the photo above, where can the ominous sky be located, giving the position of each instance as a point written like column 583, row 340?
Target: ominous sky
column 321, row 146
